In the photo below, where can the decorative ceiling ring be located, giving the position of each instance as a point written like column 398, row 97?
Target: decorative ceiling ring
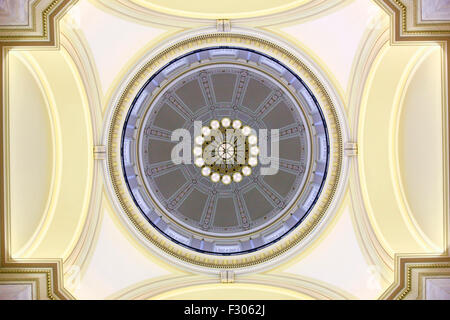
column 141, row 206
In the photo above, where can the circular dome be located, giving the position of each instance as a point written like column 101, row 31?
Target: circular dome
column 225, row 150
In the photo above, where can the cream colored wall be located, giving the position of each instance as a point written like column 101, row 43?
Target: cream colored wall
column 418, row 148
column 51, row 158
column 32, row 152
column 391, row 94
column 383, row 188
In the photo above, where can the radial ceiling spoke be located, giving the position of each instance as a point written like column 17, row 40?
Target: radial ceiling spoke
column 243, row 214
column 160, row 168
column 176, row 103
column 238, row 94
column 206, row 86
column 293, row 167
column 268, row 104
column 274, row 198
column 156, row 133
column 290, row 131
column 177, row 199
column 208, row 212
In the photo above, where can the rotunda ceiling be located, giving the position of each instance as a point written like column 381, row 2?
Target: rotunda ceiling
column 253, row 153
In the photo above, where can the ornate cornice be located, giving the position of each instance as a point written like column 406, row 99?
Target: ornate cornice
column 41, row 22
column 412, row 272
column 408, row 25
column 412, row 22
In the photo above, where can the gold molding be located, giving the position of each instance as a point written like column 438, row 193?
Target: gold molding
column 132, row 212
column 408, row 268
column 29, row 275
column 42, row 24
column 408, row 21
column 412, row 22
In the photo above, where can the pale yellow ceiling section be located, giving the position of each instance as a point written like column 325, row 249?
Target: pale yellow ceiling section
column 232, row 9
column 389, row 200
column 32, row 153
column 420, row 150
column 53, row 159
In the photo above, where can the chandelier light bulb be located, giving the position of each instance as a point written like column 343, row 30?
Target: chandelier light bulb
column 206, row 171
column 206, row 131
column 237, row 177
column 226, row 122
column 199, row 162
column 246, row 171
column 252, row 139
column 254, row 151
column 197, row 151
column 215, row 177
column 226, row 179
column 246, row 130
column 215, row 124
column 253, row 161
column 199, row 140
column 237, row 124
